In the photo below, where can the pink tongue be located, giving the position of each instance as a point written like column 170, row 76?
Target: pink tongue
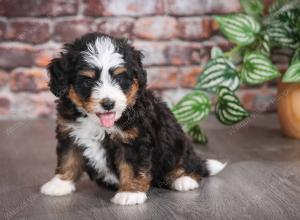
column 107, row 119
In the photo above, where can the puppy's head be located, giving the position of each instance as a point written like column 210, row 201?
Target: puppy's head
column 101, row 75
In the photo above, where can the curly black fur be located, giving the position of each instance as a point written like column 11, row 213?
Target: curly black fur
column 157, row 148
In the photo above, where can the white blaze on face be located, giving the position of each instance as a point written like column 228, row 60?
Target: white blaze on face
column 102, row 54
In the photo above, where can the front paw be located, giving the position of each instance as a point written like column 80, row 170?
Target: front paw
column 57, row 187
column 129, row 198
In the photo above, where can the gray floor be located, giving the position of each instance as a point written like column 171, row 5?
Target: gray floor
column 261, row 181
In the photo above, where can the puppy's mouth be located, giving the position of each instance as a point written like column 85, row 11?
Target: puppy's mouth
column 107, row 119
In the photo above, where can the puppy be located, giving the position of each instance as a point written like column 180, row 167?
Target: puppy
column 114, row 128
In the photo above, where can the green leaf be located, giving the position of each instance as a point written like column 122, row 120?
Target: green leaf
column 293, row 73
column 198, row 136
column 277, row 4
column 296, row 56
column 264, row 46
column 229, row 110
column 258, row 69
column 218, row 72
column 216, row 52
column 192, row 108
column 252, row 7
column 282, row 35
column 239, row 28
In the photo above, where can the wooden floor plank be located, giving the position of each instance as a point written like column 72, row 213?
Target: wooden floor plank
column 261, row 180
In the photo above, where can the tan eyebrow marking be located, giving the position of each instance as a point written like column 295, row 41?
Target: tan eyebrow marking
column 88, row 73
column 119, row 70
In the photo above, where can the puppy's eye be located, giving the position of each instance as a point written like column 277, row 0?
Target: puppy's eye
column 85, row 82
column 123, row 80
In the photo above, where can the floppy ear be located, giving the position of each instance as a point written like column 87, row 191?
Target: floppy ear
column 58, row 77
column 141, row 73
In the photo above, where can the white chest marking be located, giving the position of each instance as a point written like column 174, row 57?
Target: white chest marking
column 88, row 134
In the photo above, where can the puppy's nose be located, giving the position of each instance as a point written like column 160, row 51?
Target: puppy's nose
column 107, row 104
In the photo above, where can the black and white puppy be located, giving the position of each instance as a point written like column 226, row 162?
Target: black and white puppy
column 114, row 128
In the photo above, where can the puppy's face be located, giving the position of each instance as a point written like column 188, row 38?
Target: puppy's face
column 105, row 79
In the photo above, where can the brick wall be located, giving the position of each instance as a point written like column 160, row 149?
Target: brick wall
column 175, row 36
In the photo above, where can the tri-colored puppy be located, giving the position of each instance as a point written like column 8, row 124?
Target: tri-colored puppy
column 114, row 128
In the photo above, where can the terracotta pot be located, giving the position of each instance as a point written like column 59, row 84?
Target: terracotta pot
column 289, row 108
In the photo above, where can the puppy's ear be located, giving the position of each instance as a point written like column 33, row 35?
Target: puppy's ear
column 141, row 73
column 58, row 77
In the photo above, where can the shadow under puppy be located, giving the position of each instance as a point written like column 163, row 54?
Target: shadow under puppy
column 114, row 128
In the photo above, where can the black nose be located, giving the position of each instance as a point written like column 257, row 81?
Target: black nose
column 107, row 104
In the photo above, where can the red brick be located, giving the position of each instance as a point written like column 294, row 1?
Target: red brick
column 173, row 96
column 34, row 105
column 169, row 53
column 197, row 7
column 267, row 4
column 181, row 53
column 93, row 8
column 117, row 27
column 155, row 28
column 31, row 31
column 258, row 100
column 67, row 30
column 154, row 52
column 280, row 56
column 223, row 7
column 132, row 7
column 31, row 80
column 3, row 78
column 3, row 26
column 162, row 77
column 206, row 47
column 34, row 8
column 195, row 28
column 5, row 105
column 189, row 75
column 43, row 55
column 15, row 55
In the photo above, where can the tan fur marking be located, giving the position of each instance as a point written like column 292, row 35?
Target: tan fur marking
column 177, row 172
column 70, row 165
column 131, row 134
column 130, row 182
column 74, row 97
column 126, row 136
column 120, row 70
column 61, row 125
column 88, row 73
column 89, row 105
column 131, row 94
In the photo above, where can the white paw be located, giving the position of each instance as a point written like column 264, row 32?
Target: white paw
column 129, row 198
column 185, row 183
column 57, row 187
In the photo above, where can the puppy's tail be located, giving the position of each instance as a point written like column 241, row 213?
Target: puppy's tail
column 213, row 167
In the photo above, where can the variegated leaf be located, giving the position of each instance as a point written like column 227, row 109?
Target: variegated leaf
column 218, row 72
column 257, row 69
column 192, row 108
column 239, row 28
column 198, row 136
column 293, row 73
column 252, row 7
column 282, row 35
column 216, row 52
column 229, row 110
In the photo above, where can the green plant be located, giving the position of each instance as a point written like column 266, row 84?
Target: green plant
column 256, row 36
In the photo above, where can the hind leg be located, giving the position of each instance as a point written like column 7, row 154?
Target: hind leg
column 185, row 183
column 178, row 179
